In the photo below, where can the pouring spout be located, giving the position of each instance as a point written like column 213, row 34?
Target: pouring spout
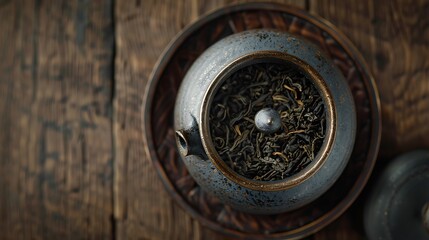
column 189, row 142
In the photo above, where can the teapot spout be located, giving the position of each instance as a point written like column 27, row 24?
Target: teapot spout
column 189, row 142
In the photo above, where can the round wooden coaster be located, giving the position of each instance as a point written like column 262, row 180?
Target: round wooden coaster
column 159, row 133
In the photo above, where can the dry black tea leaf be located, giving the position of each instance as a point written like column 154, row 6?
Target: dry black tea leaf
column 267, row 156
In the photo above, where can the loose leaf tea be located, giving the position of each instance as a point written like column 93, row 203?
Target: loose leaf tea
column 255, row 154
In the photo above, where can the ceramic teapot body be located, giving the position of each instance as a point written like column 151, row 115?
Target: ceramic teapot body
column 193, row 127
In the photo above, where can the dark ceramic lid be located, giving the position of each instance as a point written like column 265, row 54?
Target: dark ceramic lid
column 398, row 206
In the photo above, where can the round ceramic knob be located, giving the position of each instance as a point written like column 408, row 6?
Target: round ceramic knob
column 268, row 120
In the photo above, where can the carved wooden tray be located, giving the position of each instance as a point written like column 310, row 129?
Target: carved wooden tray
column 159, row 133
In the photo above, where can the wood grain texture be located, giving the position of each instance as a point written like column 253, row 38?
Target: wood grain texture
column 142, row 209
column 55, row 105
column 72, row 163
column 393, row 36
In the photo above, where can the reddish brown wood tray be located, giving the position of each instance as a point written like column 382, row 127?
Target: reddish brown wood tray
column 159, row 133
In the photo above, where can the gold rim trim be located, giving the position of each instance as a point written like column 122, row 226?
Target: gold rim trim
column 307, row 172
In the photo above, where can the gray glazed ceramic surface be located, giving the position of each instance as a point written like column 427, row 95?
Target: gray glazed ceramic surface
column 189, row 113
column 398, row 205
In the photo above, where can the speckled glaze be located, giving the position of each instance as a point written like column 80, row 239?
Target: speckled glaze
column 189, row 114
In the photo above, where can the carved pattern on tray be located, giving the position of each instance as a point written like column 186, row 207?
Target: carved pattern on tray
column 208, row 209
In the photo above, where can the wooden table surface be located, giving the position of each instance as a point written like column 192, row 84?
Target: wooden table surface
column 72, row 77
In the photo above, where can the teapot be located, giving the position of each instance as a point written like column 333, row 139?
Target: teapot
column 198, row 136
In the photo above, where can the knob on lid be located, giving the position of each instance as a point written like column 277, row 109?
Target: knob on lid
column 268, row 120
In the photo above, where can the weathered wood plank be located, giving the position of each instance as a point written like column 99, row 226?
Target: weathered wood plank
column 55, row 105
column 143, row 210
column 393, row 37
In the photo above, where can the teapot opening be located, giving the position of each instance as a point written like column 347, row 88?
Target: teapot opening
column 229, row 143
